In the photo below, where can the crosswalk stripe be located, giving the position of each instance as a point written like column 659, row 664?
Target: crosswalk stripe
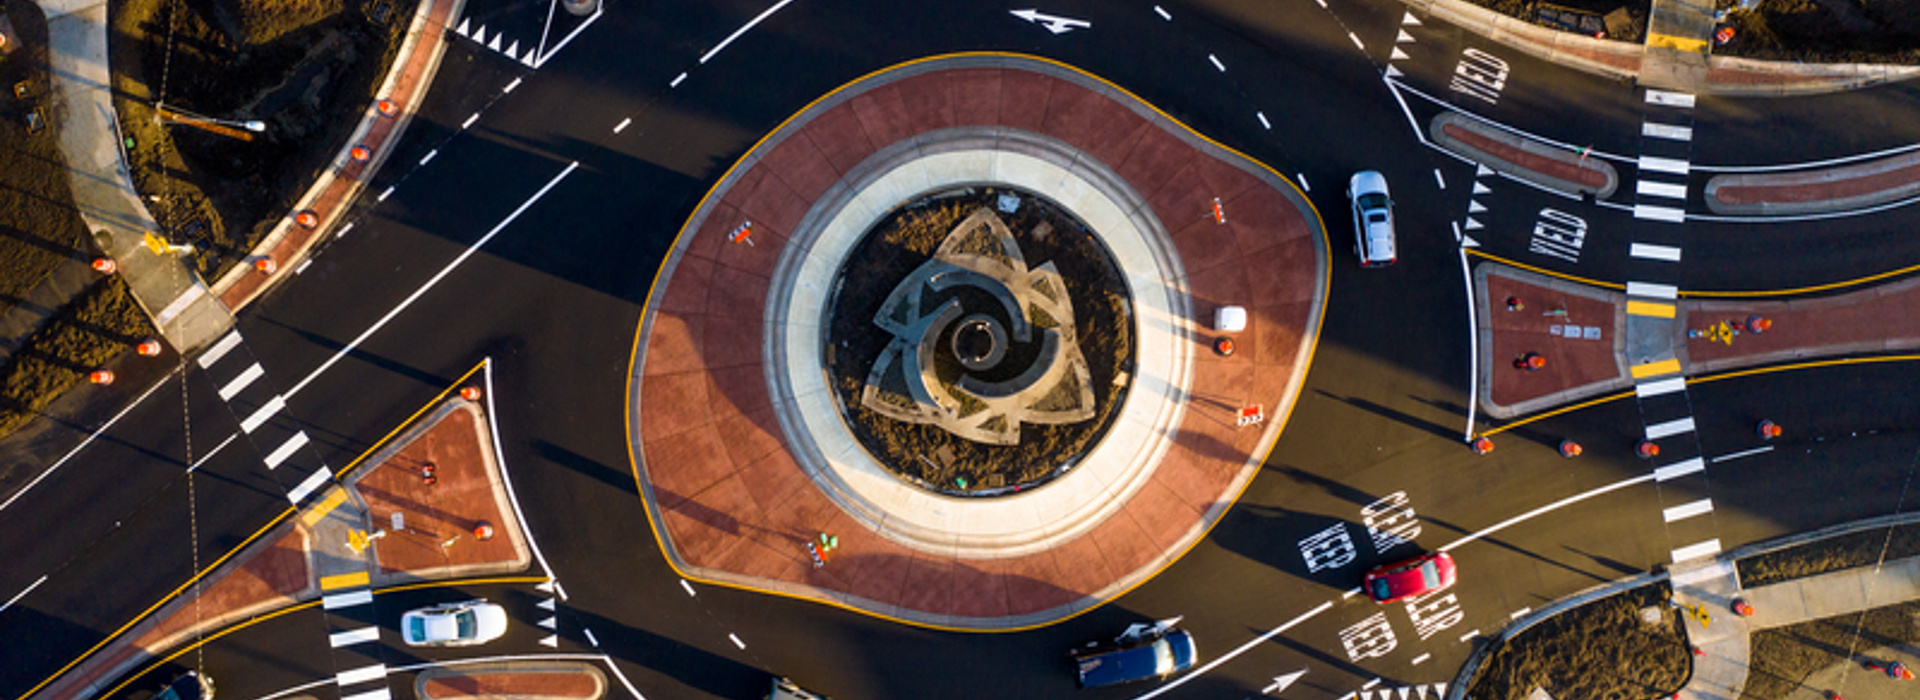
column 1695, row 551
column 1664, row 165
column 1688, row 510
column 1661, row 189
column 318, row 479
column 1652, row 290
column 219, row 350
column 375, row 694
column 1670, row 428
column 1671, row 99
column 1650, row 251
column 346, row 600
column 261, row 415
column 286, row 449
column 1648, row 211
column 1680, row 469
column 241, row 382
column 1666, row 131
column 1664, row 386
column 361, row 675
column 352, row 637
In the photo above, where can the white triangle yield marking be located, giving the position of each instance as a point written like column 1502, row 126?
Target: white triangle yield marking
column 1397, row 55
column 1473, row 224
column 1393, row 72
column 546, row 605
column 1481, row 189
column 480, row 35
column 544, row 587
column 549, row 623
column 1481, row 170
column 1281, row 683
column 1409, row 20
column 1404, row 692
column 1366, row 695
column 1474, row 206
column 462, row 29
column 1440, row 689
column 1468, row 242
column 1420, row 691
column 552, row 641
column 1404, row 38
column 528, row 59
column 513, row 52
column 495, row 44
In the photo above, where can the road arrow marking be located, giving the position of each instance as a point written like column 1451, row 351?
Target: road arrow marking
column 1280, row 683
column 1055, row 24
column 1410, row 20
column 552, row 641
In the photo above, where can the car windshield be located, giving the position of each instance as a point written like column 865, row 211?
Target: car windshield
column 467, row 623
column 417, row 627
column 1430, row 575
column 1372, row 201
column 1381, row 590
column 1162, row 657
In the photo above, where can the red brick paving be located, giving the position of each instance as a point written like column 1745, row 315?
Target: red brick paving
column 1570, row 362
column 1819, row 186
column 730, row 495
column 277, row 572
column 461, row 498
column 551, row 684
column 1877, row 318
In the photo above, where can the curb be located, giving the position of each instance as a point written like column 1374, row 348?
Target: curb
column 1839, row 176
column 1526, row 147
column 1484, row 312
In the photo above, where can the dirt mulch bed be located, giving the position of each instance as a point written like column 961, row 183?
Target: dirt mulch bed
column 100, row 324
column 1784, row 657
column 1527, row 10
column 1598, row 651
column 1831, row 554
column 1827, row 31
column 929, row 455
column 307, row 68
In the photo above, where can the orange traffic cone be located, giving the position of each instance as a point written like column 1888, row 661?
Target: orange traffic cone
column 388, row 108
column 306, row 218
column 360, row 153
column 1482, row 445
column 148, row 347
column 1769, row 430
column 266, row 266
column 1569, row 448
column 1647, row 450
column 470, row 393
column 483, row 531
column 102, row 377
column 104, row 265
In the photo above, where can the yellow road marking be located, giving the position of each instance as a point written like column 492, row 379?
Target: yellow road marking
column 1655, row 369
column 358, row 578
column 1648, row 308
column 1677, row 43
column 335, row 497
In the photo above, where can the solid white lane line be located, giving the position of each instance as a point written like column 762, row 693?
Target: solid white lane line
column 261, row 415
column 1650, row 251
column 1664, row 165
column 1662, row 387
column 1644, row 211
column 622, row 126
column 313, row 481
column 470, row 120
column 1548, row 508
column 1696, row 551
column 210, row 453
column 361, row 675
column 1661, row 189
column 1666, row 131
column 1649, row 289
column 1237, row 651
column 457, row 260
column 512, row 85
column 219, row 350
column 1515, row 615
column 1215, row 60
column 352, row 637
column 1670, row 428
column 240, row 383
column 1688, row 510
column 736, row 640
column 1743, row 453
column 1679, row 469
column 1670, row 99
column 742, row 30
column 286, row 449
column 346, row 600
column 23, row 594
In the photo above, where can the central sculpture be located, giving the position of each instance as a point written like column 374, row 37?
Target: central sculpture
column 978, row 293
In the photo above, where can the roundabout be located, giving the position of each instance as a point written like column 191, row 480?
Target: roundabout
column 955, row 314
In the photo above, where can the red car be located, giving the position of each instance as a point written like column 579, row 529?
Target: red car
column 1390, row 583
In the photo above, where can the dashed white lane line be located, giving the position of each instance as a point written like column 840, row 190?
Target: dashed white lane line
column 1303, row 183
column 1237, row 651
column 1475, row 632
column 1659, row 388
column 1666, row 131
column 1263, row 120
column 1421, row 659
column 622, row 126
column 1215, row 60
column 1664, row 165
column 384, row 194
column 1743, row 453
column 1661, row 189
column 1356, row 41
column 1351, row 592
column 470, row 120
column 678, row 79
column 1370, row 684
column 343, row 230
column 1696, row 551
column 1163, row 13
column 1688, row 510
column 736, row 640
column 1670, row 428
column 240, row 383
column 428, row 158
column 1651, row 290
column 595, row 641
column 1515, row 615
column 1437, row 177
column 1650, row 251
column 688, row 586
column 742, row 30
column 1671, row 99
column 512, row 85
column 1712, row 571
column 1679, row 469
column 22, row 594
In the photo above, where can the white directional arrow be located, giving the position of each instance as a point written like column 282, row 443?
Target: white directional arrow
column 551, row 641
column 549, row 623
column 1410, row 20
column 1055, row 24
column 1280, row 683
column 546, row 605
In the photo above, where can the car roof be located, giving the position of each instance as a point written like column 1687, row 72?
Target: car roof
column 1135, row 660
column 1367, row 181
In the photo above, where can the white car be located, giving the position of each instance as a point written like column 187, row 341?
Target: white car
column 1373, row 238
column 453, row 624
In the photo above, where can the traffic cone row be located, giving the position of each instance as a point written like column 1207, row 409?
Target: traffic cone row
column 306, row 218
column 387, row 108
column 360, row 153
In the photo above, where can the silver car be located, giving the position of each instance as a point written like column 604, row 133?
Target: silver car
column 453, row 624
column 1373, row 239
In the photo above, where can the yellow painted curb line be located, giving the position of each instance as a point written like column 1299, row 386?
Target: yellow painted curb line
column 1677, row 43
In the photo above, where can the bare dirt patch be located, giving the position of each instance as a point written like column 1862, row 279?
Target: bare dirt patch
column 1827, row 31
column 1830, row 554
column 1784, row 657
column 1598, row 651
column 1637, row 11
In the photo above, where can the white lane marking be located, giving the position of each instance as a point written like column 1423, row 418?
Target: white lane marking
column 1679, row 469
column 1650, row 251
column 1666, row 131
column 1548, row 508
column 1644, row 211
column 1652, row 290
column 361, row 675
column 1437, row 177
column 1743, row 453
column 461, row 258
column 1664, row 165
column 470, row 120
column 1515, row 615
column 1163, row 13
column 1370, row 684
column 216, row 450
column 1671, row 99
column 1351, row 592
column 506, row 479
column 1695, row 551
column 346, row 600
column 1659, row 388
column 1661, row 189
column 302, row 267
column 622, row 126
column 286, row 449
column 1222, row 67
column 1670, row 428
column 314, row 481
column 688, row 587
column 343, row 230
column 1303, row 182
column 384, row 194
column 1356, row 40
column 742, row 30
column 219, row 350
column 240, row 383
column 1475, row 632
column 1242, row 649
column 1688, row 578
column 1263, row 120
column 595, row 641
column 429, row 156
column 180, row 303
column 352, row 637
column 1423, row 657
column 376, row 694
column 736, row 640
column 512, row 85
column 23, row 594
column 1688, row 510
column 682, row 77
column 261, row 415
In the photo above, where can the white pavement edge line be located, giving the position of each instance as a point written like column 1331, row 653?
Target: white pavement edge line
column 1242, row 649
column 95, row 435
column 1550, row 507
column 23, row 594
column 461, row 258
column 568, row 39
column 500, row 457
column 1743, row 453
column 1473, row 344
column 743, row 29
